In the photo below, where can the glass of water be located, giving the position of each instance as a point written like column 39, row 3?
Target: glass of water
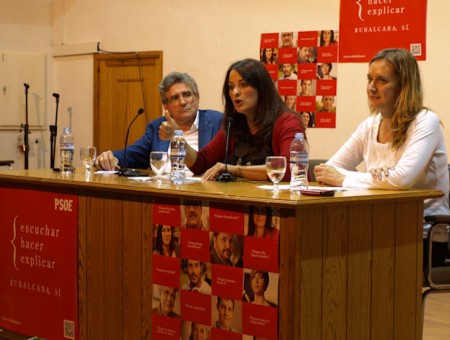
column 275, row 168
column 158, row 163
column 87, row 156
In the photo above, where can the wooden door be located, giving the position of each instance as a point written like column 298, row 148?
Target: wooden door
column 123, row 83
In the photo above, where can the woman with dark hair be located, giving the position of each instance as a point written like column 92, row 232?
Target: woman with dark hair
column 259, row 281
column 324, row 71
column 307, row 119
column 262, row 125
column 260, row 222
column 165, row 243
column 269, row 56
column 327, row 38
column 401, row 144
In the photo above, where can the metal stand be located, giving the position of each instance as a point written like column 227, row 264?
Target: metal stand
column 26, row 127
column 53, row 134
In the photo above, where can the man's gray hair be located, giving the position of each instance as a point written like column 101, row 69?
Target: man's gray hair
column 175, row 78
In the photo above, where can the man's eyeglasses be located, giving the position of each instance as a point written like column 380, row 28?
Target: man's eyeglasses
column 187, row 96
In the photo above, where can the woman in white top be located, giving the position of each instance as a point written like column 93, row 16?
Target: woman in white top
column 401, row 145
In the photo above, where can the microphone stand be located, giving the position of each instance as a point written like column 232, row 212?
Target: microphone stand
column 124, row 171
column 26, row 127
column 226, row 176
column 53, row 133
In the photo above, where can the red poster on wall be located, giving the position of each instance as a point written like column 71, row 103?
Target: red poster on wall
column 367, row 26
column 303, row 66
column 38, row 253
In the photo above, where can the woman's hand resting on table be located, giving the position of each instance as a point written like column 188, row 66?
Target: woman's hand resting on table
column 327, row 174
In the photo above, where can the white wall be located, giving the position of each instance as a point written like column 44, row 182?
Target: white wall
column 25, row 27
column 203, row 37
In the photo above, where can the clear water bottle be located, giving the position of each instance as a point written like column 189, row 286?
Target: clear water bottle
column 177, row 158
column 299, row 162
column 66, row 149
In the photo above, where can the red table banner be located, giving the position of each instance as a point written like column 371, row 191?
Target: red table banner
column 367, row 26
column 38, row 253
column 215, row 270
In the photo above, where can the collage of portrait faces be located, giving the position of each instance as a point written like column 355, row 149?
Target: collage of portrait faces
column 303, row 66
column 215, row 271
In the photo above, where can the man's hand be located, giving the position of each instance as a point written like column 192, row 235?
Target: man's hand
column 106, row 161
column 167, row 128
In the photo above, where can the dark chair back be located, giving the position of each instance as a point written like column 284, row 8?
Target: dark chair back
column 311, row 164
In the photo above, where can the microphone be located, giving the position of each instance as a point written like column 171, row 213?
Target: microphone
column 226, row 176
column 26, row 86
column 56, row 95
column 124, row 171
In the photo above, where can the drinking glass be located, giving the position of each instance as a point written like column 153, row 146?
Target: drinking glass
column 158, row 162
column 275, row 168
column 88, row 155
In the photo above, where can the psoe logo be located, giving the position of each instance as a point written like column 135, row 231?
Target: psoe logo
column 63, row 204
column 360, row 8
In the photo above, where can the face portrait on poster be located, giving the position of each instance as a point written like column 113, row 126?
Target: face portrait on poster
column 260, row 287
column 195, row 214
column 166, row 240
column 166, row 301
column 195, row 331
column 226, row 315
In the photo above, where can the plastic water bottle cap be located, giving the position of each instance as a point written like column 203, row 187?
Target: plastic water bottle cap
column 178, row 132
column 299, row 135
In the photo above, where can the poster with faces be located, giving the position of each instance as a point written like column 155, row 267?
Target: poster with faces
column 303, row 66
column 215, row 270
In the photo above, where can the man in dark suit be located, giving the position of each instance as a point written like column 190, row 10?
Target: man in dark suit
column 180, row 97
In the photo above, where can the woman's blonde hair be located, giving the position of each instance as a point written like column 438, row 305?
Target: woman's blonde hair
column 410, row 100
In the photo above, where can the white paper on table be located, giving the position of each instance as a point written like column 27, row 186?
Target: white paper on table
column 310, row 187
column 165, row 178
column 141, row 178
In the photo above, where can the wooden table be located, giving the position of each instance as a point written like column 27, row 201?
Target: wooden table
column 350, row 265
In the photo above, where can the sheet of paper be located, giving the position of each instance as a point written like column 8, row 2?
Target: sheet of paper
column 104, row 172
column 311, row 187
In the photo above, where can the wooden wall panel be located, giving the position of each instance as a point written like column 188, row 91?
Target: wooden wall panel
column 309, row 273
column 383, row 271
column 95, row 267
column 113, row 262
column 406, row 229
column 132, row 270
column 288, row 285
column 359, row 272
column 420, row 273
column 334, row 289
column 111, row 255
column 82, row 267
